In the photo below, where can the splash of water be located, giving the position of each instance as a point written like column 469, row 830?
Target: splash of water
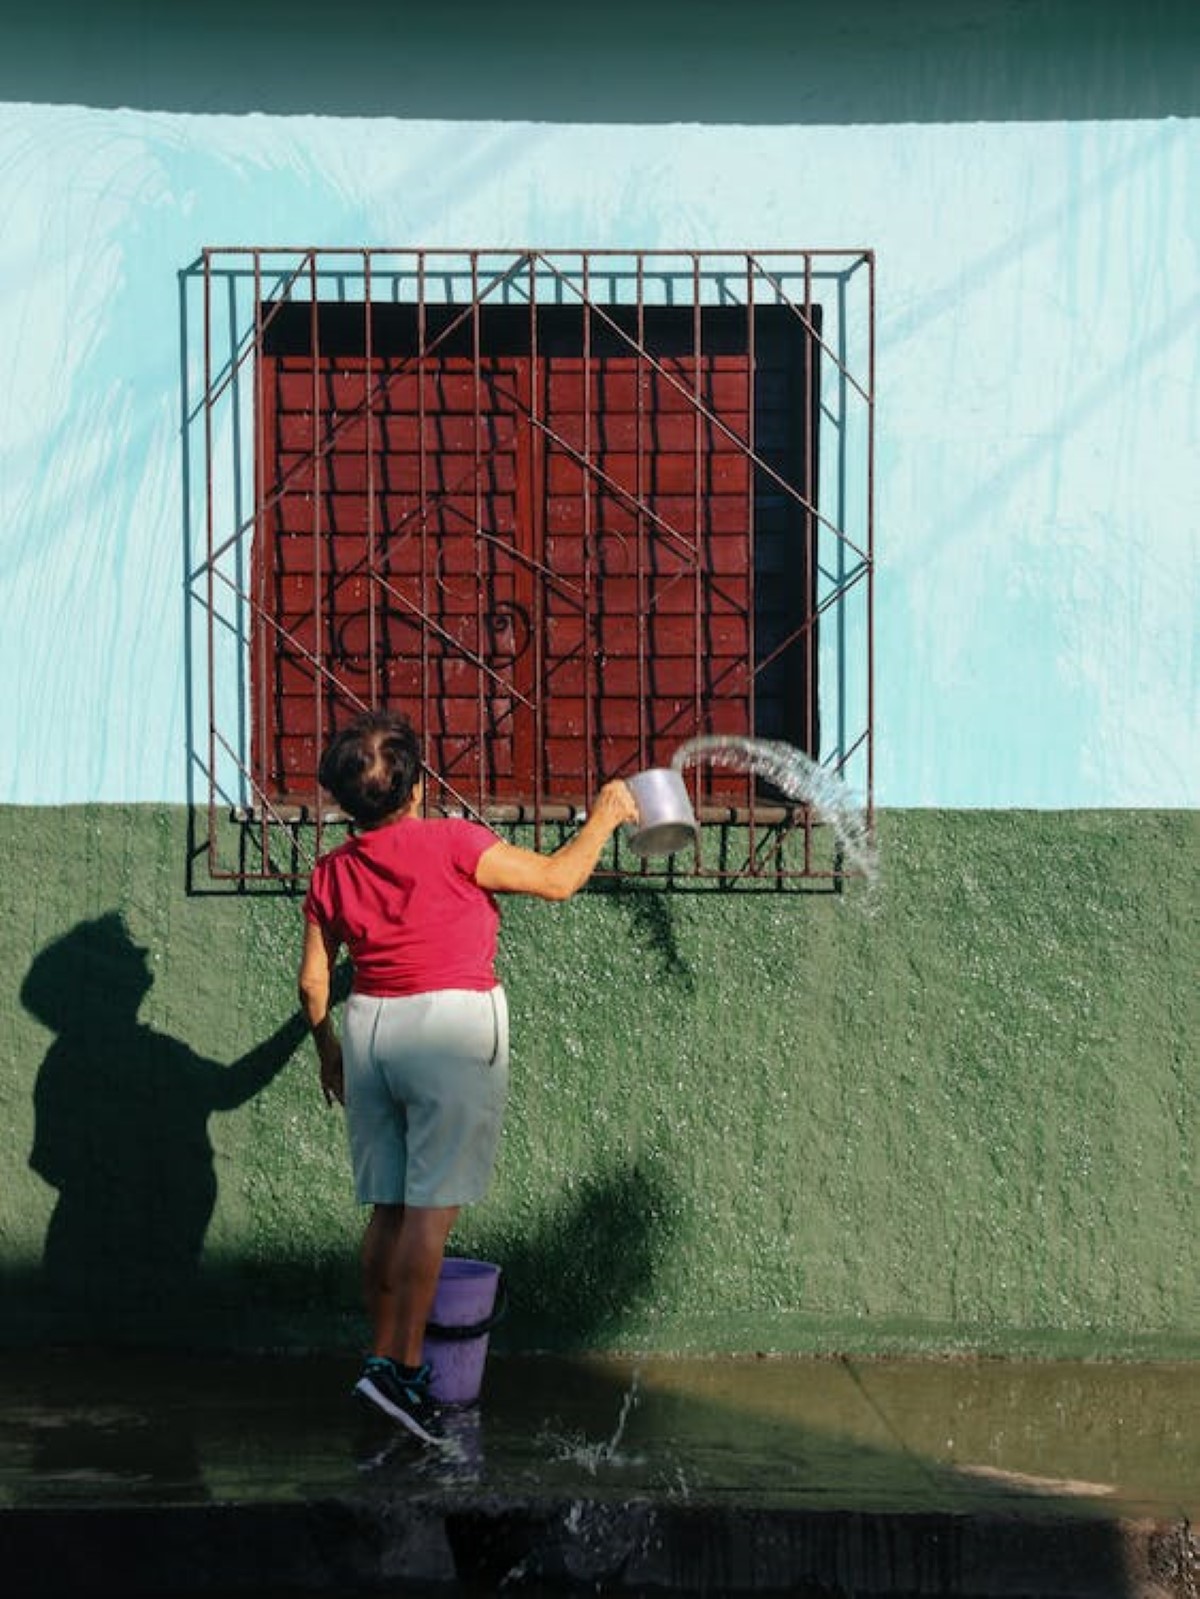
column 607, row 1453
column 798, row 777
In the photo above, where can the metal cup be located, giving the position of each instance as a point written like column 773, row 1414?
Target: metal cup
column 666, row 821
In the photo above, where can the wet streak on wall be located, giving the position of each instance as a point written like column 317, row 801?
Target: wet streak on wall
column 1037, row 359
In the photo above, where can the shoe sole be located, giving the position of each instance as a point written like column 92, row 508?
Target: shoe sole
column 367, row 1390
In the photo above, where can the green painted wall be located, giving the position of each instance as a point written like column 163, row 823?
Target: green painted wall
column 959, row 1114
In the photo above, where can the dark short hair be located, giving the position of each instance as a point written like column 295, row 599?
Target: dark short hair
column 372, row 766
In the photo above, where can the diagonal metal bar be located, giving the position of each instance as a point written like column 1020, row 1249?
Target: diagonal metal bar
column 602, row 477
column 324, row 672
column 468, row 655
column 799, row 312
column 269, row 809
column 808, row 626
column 330, row 677
column 281, row 632
column 711, row 416
column 384, row 384
column 249, row 343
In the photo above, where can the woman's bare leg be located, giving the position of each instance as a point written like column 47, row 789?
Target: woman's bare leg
column 402, row 1260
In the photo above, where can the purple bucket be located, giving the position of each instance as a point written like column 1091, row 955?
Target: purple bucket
column 469, row 1302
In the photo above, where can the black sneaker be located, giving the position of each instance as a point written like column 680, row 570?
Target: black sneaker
column 404, row 1399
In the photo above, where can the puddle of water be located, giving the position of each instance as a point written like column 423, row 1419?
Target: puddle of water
column 777, row 1432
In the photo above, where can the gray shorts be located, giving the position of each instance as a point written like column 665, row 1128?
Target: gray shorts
column 426, row 1085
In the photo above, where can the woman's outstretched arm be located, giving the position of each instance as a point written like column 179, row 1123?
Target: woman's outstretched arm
column 507, row 869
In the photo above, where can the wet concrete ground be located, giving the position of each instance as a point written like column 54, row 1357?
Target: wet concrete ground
column 168, row 1475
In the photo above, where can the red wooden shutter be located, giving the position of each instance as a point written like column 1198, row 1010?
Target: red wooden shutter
column 548, row 558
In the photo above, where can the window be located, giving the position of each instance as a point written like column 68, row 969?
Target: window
column 567, row 510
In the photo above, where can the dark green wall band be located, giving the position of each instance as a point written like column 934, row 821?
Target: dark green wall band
column 957, row 1115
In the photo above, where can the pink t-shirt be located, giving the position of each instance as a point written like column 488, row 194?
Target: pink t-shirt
column 404, row 900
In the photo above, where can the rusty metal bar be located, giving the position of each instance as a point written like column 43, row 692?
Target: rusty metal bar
column 597, row 252
column 372, row 536
column 448, row 637
column 263, row 613
column 643, row 641
column 539, row 533
column 702, row 528
column 809, row 568
column 354, row 415
column 210, row 589
column 477, row 457
column 423, row 490
column 269, row 811
column 805, row 626
column 592, row 620
column 870, row 794
column 751, row 527
column 612, row 484
column 262, row 666
column 318, row 488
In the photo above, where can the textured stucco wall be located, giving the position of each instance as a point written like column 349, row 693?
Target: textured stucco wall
column 961, row 1116
column 965, row 1119
column 1031, row 203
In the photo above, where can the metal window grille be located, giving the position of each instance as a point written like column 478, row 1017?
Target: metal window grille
column 568, row 509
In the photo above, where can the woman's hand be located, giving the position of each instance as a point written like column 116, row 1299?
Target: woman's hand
column 615, row 803
column 332, row 1079
column 316, row 984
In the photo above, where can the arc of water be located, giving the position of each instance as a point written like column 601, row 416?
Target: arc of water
column 797, row 776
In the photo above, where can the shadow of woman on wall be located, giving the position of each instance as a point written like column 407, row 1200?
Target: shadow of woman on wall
column 121, row 1124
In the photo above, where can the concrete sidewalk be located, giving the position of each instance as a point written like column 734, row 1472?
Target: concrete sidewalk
column 194, row 1474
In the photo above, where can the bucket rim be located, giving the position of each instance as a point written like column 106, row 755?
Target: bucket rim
column 458, row 1333
column 467, row 1266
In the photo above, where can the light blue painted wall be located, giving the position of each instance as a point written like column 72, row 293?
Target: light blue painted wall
column 1038, row 354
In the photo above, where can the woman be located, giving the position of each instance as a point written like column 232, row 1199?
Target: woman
column 425, row 1072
